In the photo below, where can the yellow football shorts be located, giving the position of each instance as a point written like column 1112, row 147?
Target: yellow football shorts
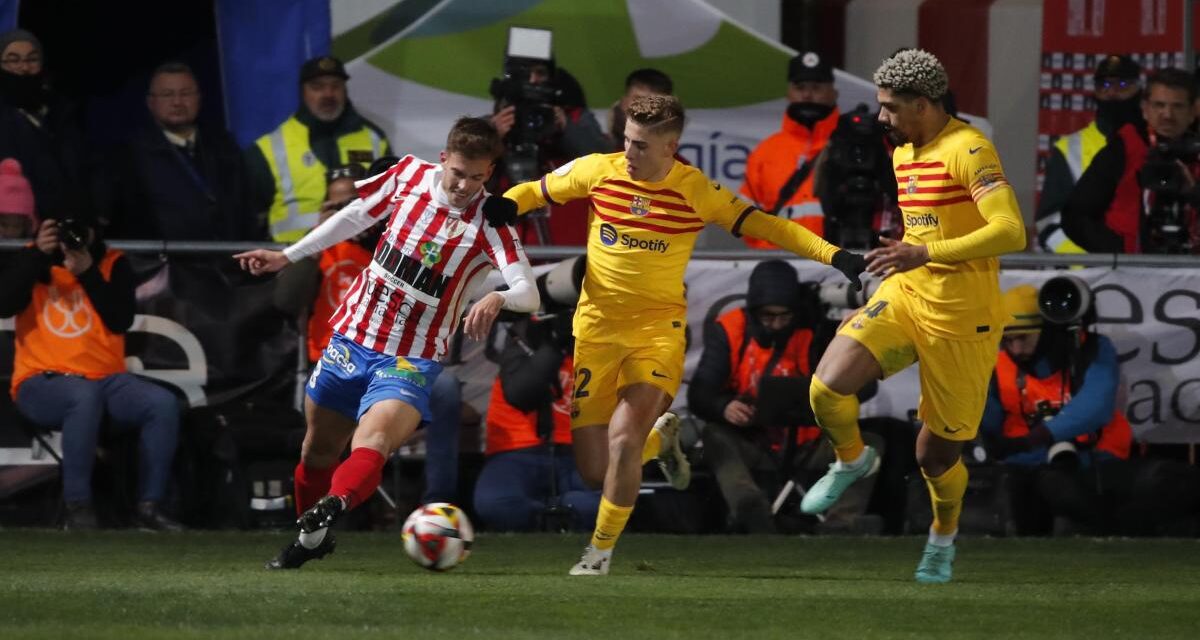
column 602, row 369
column 954, row 374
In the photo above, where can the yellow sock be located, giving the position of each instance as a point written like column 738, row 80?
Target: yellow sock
column 838, row 416
column 652, row 447
column 946, row 493
column 610, row 522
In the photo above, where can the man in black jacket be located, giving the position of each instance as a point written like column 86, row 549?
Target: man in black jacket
column 1115, row 205
column 176, row 180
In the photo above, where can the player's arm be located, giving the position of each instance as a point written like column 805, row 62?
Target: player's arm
column 504, row 250
column 571, row 181
column 1004, row 231
column 741, row 219
column 374, row 201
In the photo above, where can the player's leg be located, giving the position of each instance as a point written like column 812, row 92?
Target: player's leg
column 874, row 344
column 593, row 400
column 637, row 410
column 326, row 436
column 954, row 384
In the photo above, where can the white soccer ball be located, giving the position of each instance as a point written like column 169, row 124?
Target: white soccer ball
column 438, row 536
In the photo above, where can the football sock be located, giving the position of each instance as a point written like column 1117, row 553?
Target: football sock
column 946, row 493
column 652, row 447
column 358, row 476
column 312, row 484
column 610, row 522
column 837, row 415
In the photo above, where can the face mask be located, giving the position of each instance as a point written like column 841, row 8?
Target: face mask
column 1111, row 114
column 23, row 92
column 808, row 113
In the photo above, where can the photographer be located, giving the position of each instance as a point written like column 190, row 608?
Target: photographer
column 73, row 299
column 1052, row 419
column 1138, row 195
column 778, row 334
column 542, row 115
column 529, row 479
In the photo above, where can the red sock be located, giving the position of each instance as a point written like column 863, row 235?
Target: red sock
column 312, row 484
column 358, row 476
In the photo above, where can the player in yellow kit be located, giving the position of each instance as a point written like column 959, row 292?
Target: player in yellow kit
column 646, row 210
column 939, row 302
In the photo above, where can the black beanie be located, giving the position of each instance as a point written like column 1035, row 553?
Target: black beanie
column 773, row 282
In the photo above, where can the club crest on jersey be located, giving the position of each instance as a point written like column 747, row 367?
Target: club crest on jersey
column 639, row 206
column 431, row 253
column 912, row 185
column 454, row 228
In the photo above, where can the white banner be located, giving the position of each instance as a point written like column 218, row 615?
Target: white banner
column 1152, row 315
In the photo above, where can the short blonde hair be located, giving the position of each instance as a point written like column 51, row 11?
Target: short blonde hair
column 663, row 114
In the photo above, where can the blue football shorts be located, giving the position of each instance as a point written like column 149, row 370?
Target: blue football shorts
column 349, row 378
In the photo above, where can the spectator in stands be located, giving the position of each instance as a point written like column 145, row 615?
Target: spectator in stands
column 1139, row 195
column 780, row 171
column 529, row 479
column 639, row 82
column 777, row 334
column 73, row 299
column 1118, row 101
column 40, row 128
column 1052, row 418
column 287, row 166
column 177, row 180
column 317, row 285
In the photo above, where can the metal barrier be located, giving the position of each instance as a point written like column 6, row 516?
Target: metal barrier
column 1016, row 260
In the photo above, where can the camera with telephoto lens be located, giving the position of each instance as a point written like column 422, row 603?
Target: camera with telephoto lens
column 855, row 163
column 533, row 103
column 73, row 233
column 1066, row 301
column 1170, row 212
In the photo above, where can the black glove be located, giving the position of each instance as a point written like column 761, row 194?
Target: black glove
column 850, row 264
column 500, row 211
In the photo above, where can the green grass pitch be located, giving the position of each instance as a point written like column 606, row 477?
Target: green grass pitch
column 212, row 585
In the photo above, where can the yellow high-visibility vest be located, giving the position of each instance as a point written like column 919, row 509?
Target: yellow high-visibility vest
column 1078, row 149
column 300, row 176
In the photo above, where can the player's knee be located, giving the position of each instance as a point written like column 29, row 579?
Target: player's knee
column 624, row 445
column 934, row 464
column 317, row 453
column 825, row 400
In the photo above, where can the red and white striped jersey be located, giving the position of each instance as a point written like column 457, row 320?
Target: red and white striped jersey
column 409, row 299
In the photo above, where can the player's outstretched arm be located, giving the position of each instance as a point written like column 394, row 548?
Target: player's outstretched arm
column 1003, row 233
column 262, row 261
column 803, row 243
column 521, row 297
column 571, row 181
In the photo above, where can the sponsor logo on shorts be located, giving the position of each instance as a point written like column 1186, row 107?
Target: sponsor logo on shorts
column 404, row 370
column 339, row 356
column 656, row 374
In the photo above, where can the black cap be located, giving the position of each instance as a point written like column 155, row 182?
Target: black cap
column 809, row 66
column 1121, row 67
column 323, row 66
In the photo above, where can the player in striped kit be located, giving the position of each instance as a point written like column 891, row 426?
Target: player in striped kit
column 371, row 387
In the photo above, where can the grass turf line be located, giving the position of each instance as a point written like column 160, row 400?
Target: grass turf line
column 207, row 585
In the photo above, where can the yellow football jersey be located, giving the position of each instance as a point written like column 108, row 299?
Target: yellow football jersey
column 939, row 187
column 640, row 238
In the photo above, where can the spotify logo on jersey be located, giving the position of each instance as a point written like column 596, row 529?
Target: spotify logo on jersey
column 608, row 235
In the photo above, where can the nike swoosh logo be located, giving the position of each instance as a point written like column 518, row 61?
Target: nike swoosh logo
column 972, row 151
column 949, row 430
column 656, row 374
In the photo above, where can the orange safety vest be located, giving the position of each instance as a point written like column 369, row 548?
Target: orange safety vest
column 61, row 331
column 775, row 160
column 509, row 428
column 748, row 363
column 1021, row 393
column 339, row 265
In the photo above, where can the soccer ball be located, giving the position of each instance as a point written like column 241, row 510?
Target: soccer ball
column 438, row 536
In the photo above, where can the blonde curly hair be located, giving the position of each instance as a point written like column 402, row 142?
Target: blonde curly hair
column 913, row 71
